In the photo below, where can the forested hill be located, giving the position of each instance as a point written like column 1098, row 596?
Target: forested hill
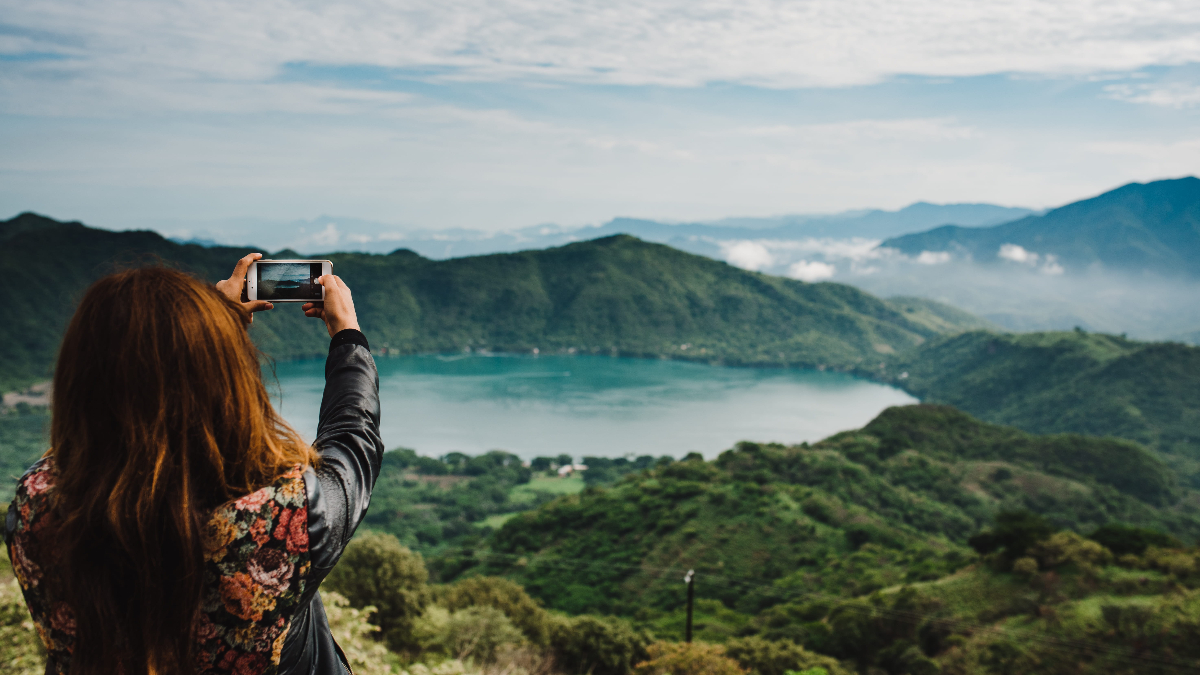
column 893, row 502
column 1073, row 381
column 866, row 546
column 1151, row 227
column 612, row 295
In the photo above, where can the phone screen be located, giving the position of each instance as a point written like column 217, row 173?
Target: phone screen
column 289, row 281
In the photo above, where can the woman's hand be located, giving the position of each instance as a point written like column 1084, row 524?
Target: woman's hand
column 232, row 287
column 338, row 308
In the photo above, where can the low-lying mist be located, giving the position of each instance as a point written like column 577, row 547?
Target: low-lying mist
column 1024, row 292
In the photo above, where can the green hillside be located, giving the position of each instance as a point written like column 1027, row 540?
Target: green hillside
column 612, row 295
column 1151, row 227
column 894, row 502
column 938, row 316
column 1094, row 384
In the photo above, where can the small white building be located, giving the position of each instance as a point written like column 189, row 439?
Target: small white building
column 568, row 469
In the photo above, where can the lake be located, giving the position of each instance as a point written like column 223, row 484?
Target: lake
column 591, row 405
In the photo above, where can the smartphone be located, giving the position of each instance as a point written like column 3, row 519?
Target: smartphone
column 287, row 280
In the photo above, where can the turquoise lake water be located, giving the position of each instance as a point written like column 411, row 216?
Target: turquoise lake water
column 592, row 405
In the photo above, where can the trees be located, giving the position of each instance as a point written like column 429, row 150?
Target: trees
column 597, row 645
column 506, row 596
column 376, row 570
column 1014, row 533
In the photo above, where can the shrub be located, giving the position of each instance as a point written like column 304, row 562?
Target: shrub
column 597, row 645
column 475, row 633
column 1065, row 548
column 1025, row 566
column 1178, row 563
column 682, row 658
column 377, row 571
column 507, row 596
column 1126, row 540
column 1013, row 534
column 353, row 633
column 767, row 657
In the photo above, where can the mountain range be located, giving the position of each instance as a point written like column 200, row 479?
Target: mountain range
column 355, row 234
column 615, row 295
column 1140, row 227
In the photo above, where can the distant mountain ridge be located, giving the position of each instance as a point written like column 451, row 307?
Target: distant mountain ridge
column 352, row 234
column 1139, row 227
column 615, row 295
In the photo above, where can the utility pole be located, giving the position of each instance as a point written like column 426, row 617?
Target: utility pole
column 690, row 580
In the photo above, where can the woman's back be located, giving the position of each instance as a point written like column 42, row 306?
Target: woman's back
column 259, row 555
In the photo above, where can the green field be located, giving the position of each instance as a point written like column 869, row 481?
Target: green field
column 547, row 484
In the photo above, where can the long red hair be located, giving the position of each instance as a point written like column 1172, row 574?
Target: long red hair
column 160, row 415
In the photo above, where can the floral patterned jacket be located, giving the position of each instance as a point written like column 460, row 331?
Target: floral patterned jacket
column 265, row 553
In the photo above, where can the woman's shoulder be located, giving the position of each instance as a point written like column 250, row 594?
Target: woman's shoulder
column 37, row 481
column 278, row 510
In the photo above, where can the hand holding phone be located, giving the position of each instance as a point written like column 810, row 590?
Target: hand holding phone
column 232, row 287
column 338, row 308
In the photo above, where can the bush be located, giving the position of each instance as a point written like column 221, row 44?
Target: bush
column 1066, row 548
column 1013, row 534
column 1126, row 540
column 596, row 645
column 767, row 657
column 1179, row 563
column 507, row 596
column 682, row 658
column 377, row 571
column 1025, row 567
column 353, row 632
column 474, row 633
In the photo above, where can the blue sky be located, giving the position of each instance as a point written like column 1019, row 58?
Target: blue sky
column 176, row 114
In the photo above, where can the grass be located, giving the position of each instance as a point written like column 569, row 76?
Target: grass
column 528, row 492
column 496, row 521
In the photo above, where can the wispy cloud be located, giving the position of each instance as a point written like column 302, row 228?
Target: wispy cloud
column 665, row 42
column 1168, row 95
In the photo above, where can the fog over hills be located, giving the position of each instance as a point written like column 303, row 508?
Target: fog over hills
column 1121, row 262
column 328, row 233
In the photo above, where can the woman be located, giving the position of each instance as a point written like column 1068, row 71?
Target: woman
column 177, row 524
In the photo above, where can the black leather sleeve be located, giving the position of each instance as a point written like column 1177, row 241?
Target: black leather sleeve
column 351, row 450
column 339, row 492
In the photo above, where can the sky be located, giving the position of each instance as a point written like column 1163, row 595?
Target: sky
column 174, row 114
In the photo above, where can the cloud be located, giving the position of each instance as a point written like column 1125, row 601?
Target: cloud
column 919, row 129
column 749, row 255
column 1020, row 254
column 628, row 42
column 1166, row 95
column 806, row 270
column 1017, row 254
column 933, row 257
column 851, row 248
